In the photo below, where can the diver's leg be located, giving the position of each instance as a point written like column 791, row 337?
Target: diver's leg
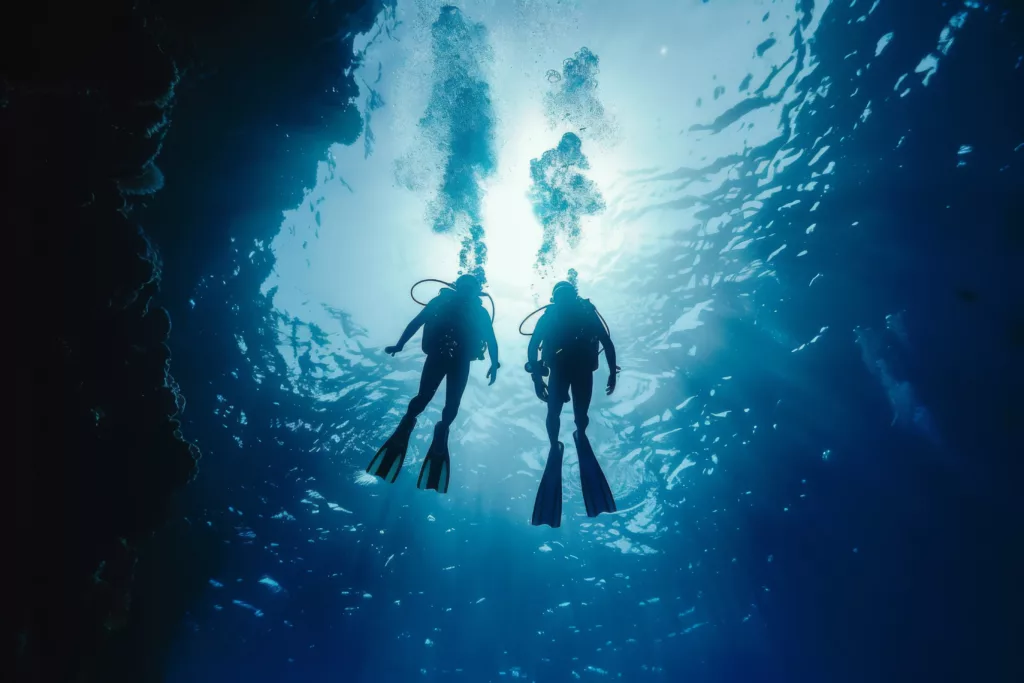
column 430, row 380
column 389, row 458
column 436, row 470
column 597, row 495
column 582, row 391
column 458, row 377
column 557, row 386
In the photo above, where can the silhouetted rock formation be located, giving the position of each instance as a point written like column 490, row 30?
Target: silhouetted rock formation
column 87, row 96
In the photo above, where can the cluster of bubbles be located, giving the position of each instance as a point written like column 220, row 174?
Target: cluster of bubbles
column 562, row 195
column 459, row 119
column 573, row 102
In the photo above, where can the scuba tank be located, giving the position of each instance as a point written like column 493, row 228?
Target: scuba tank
column 449, row 286
column 583, row 307
column 446, row 331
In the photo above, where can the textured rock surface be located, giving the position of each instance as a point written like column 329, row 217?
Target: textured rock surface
column 225, row 104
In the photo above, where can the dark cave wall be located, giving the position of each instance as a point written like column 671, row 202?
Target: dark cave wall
column 100, row 450
column 267, row 92
column 224, row 106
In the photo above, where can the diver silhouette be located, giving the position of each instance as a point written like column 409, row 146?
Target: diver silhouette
column 456, row 330
column 567, row 337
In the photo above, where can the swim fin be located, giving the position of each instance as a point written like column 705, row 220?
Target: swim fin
column 436, row 469
column 596, row 494
column 387, row 463
column 547, row 508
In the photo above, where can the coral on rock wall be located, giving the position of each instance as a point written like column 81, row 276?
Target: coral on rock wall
column 89, row 95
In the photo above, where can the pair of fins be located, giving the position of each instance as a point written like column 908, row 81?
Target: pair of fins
column 597, row 495
column 436, row 470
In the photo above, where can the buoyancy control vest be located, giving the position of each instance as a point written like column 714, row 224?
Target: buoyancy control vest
column 571, row 335
column 456, row 327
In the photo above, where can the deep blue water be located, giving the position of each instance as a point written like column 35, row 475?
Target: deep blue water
column 814, row 444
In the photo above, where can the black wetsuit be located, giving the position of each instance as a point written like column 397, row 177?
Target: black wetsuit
column 568, row 335
column 453, row 337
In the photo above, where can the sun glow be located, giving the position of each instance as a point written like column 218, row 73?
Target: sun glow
column 514, row 233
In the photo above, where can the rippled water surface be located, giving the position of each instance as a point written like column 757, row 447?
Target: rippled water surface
column 766, row 202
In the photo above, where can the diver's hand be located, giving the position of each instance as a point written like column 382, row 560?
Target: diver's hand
column 392, row 350
column 612, row 378
column 540, row 388
column 492, row 374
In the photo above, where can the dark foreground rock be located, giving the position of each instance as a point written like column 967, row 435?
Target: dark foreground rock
column 93, row 100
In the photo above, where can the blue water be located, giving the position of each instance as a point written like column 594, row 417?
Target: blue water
column 800, row 219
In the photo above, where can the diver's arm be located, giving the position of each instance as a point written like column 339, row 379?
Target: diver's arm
column 533, row 348
column 609, row 351
column 492, row 347
column 492, row 351
column 609, row 356
column 533, row 363
column 410, row 330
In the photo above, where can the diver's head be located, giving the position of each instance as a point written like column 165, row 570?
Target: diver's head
column 563, row 292
column 468, row 285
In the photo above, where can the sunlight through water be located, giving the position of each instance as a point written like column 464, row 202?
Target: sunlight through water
column 690, row 165
column 676, row 180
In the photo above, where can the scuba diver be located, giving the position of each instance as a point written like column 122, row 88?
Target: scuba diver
column 567, row 337
column 456, row 329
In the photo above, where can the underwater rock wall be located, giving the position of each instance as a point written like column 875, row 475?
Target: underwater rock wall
column 100, row 451
column 88, row 98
